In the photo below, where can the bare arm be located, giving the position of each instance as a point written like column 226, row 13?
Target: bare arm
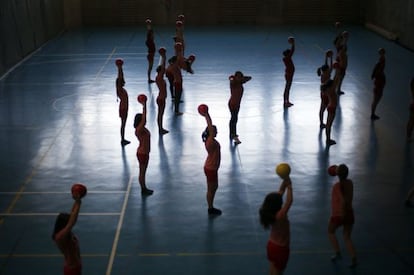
column 143, row 121
column 292, row 49
column 286, row 185
column 209, row 122
column 72, row 220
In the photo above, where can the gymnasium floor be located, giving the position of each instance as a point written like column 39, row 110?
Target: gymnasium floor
column 59, row 124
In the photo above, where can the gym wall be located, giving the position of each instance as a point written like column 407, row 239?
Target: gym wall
column 25, row 25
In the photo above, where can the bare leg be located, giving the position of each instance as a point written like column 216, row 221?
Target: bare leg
column 375, row 101
column 349, row 244
column 321, row 111
column 141, row 178
column 211, row 192
column 334, row 241
column 286, row 93
column 123, row 140
column 161, row 108
column 329, row 122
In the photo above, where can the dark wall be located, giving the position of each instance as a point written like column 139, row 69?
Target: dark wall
column 25, row 25
column 213, row 12
column 395, row 16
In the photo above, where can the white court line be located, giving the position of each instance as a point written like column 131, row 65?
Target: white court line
column 118, row 229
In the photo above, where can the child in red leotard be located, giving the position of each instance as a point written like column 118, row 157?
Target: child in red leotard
column 123, row 104
column 144, row 137
column 212, row 163
column 150, row 43
column 342, row 213
column 274, row 215
column 330, row 87
column 162, row 87
column 324, row 72
column 236, row 93
column 67, row 241
column 289, row 71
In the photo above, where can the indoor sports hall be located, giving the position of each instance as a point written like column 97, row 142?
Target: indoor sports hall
column 59, row 125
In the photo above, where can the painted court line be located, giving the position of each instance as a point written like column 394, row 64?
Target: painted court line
column 118, row 229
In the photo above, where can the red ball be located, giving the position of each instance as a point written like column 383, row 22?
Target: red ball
column 202, row 109
column 332, row 170
column 119, row 62
column 142, row 98
column 162, row 51
column 192, row 58
column 78, row 189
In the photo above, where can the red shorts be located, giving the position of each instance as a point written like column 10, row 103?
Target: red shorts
column 143, row 159
column 340, row 220
column 212, row 175
column 76, row 270
column 278, row 255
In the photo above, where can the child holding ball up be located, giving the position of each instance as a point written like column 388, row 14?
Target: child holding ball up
column 212, row 162
column 273, row 216
column 289, row 71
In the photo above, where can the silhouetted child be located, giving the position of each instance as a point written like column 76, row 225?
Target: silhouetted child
column 342, row 214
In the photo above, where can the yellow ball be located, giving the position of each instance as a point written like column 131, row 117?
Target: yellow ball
column 283, row 170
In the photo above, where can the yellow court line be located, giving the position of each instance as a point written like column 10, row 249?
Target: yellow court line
column 204, row 254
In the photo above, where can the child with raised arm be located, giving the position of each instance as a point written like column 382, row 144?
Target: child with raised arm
column 150, row 43
column 144, row 137
column 122, row 95
column 162, row 91
column 212, row 162
column 274, row 216
column 324, row 72
column 66, row 240
column 289, row 71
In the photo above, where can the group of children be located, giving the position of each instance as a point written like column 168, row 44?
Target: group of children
column 273, row 213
